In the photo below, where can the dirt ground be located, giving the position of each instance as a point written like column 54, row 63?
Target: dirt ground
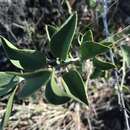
column 23, row 23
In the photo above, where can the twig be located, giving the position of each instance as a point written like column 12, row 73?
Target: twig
column 119, row 87
column 122, row 99
column 90, row 104
column 78, row 116
column 69, row 7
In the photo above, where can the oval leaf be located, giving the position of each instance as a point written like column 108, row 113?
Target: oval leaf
column 91, row 49
column 53, row 98
column 23, row 58
column 103, row 65
column 61, row 41
column 75, row 87
column 54, row 93
column 33, row 81
column 7, row 82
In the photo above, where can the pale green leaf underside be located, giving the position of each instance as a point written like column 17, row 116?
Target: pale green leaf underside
column 25, row 59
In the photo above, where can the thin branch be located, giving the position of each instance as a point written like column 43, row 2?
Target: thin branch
column 119, row 87
column 122, row 98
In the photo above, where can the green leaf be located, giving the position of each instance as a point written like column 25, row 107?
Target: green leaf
column 8, row 110
column 99, row 64
column 50, row 30
column 126, row 54
column 53, row 98
column 33, row 81
column 55, row 93
column 23, row 58
column 61, row 41
column 88, row 36
column 91, row 49
column 92, row 3
column 7, row 82
column 75, row 87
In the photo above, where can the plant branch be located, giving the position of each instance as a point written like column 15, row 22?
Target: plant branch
column 119, row 87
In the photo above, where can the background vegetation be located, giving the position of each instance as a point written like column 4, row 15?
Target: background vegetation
column 24, row 23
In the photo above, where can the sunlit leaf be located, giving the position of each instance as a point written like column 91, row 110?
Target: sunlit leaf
column 32, row 82
column 55, row 93
column 75, row 87
column 91, row 49
column 92, row 3
column 61, row 41
column 7, row 82
column 99, row 64
column 23, row 58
